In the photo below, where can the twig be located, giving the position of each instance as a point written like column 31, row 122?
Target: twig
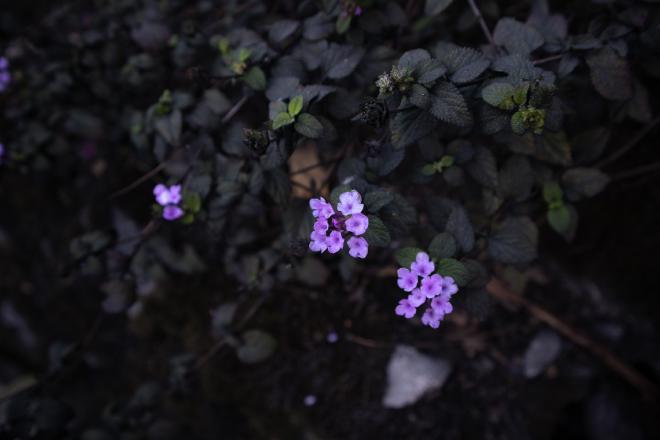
column 548, row 59
column 631, row 143
column 138, row 181
column 482, row 22
column 230, row 114
column 648, row 389
column 370, row 343
column 637, row 171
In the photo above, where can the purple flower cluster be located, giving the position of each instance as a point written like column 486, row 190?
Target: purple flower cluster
column 332, row 228
column 5, row 76
column 434, row 287
column 169, row 199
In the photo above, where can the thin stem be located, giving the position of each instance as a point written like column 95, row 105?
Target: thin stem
column 637, row 171
column 138, row 181
column 482, row 22
column 631, row 144
column 311, row 167
column 548, row 59
column 230, row 114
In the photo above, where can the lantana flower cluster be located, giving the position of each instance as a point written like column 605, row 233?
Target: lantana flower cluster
column 433, row 289
column 345, row 225
column 169, row 199
column 5, row 76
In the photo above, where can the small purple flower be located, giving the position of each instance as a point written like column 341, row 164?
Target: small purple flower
column 2, row 152
column 321, row 225
column 431, row 318
column 167, row 196
column 441, row 305
column 358, row 247
column 358, row 11
column 172, row 212
column 431, row 286
column 335, row 242
column 407, row 279
column 405, row 309
column 448, row 287
column 350, row 202
column 321, row 208
column 357, row 224
column 318, row 242
column 422, row 265
column 4, row 64
column 417, row 298
column 5, row 76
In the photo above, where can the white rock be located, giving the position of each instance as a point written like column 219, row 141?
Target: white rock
column 411, row 374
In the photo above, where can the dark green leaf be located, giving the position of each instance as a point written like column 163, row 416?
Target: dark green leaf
column 449, row 105
column 255, row 78
column 281, row 30
column 410, row 59
column 420, row 96
column 499, row 94
column 516, row 178
column 610, row 74
column 442, row 246
column 429, row 70
column 449, row 267
column 339, row 61
column 483, row 168
column 559, row 219
column 408, row 126
column 583, row 182
column 308, row 126
column 517, row 37
column 375, row 200
column 377, row 233
column 434, row 7
column 405, row 256
column 387, row 159
column 169, row 127
column 514, row 241
column 464, row 64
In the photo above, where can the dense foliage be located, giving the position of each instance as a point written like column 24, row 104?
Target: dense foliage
column 470, row 129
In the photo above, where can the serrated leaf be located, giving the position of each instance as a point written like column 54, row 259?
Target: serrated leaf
column 583, row 182
column 429, row 70
column 410, row 59
column 405, row 256
column 516, row 178
column 377, row 233
column 377, row 199
column 464, row 64
column 434, row 7
column 281, row 30
column 255, row 78
column 449, row 105
column 514, row 241
column 339, row 61
column 516, row 37
column 443, row 245
column 281, row 120
column 499, row 94
column 420, row 96
column 610, row 74
column 559, row 219
column 460, row 226
column 408, row 126
column 295, row 105
column 308, row 126
column 257, row 346
column 483, row 168
column 387, row 160
column 518, row 125
column 450, row 267
column 169, row 127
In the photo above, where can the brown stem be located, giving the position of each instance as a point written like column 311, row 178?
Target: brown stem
column 648, row 389
column 482, row 22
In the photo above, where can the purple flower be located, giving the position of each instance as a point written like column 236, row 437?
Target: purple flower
column 318, row 242
column 405, row 309
column 5, row 76
column 2, row 152
column 441, row 305
column 448, row 287
column 358, row 247
column 321, row 225
column 167, row 196
column 172, row 212
column 431, row 286
column 431, row 318
column 321, row 208
column 335, row 242
column 422, row 265
column 407, row 279
column 416, row 298
column 350, row 202
column 357, row 224
column 358, row 11
column 4, row 64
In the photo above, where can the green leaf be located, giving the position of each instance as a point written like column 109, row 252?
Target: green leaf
column 295, row 105
column 434, row 7
column 169, row 127
column 377, row 233
column 449, row 105
column 483, row 168
column 514, row 241
column 583, row 182
column 255, row 78
column 257, row 346
column 460, row 226
column 517, row 37
column 339, row 61
column 375, row 200
column 499, row 94
column 308, row 126
column 429, row 70
column 559, row 219
column 420, row 96
column 450, row 267
column 281, row 120
column 192, row 202
column 464, row 64
column 520, row 94
column 405, row 256
column 243, row 54
column 516, row 178
column 552, row 193
column 518, row 125
column 410, row 59
column 343, row 23
column 409, row 126
column 610, row 74
column 443, row 245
